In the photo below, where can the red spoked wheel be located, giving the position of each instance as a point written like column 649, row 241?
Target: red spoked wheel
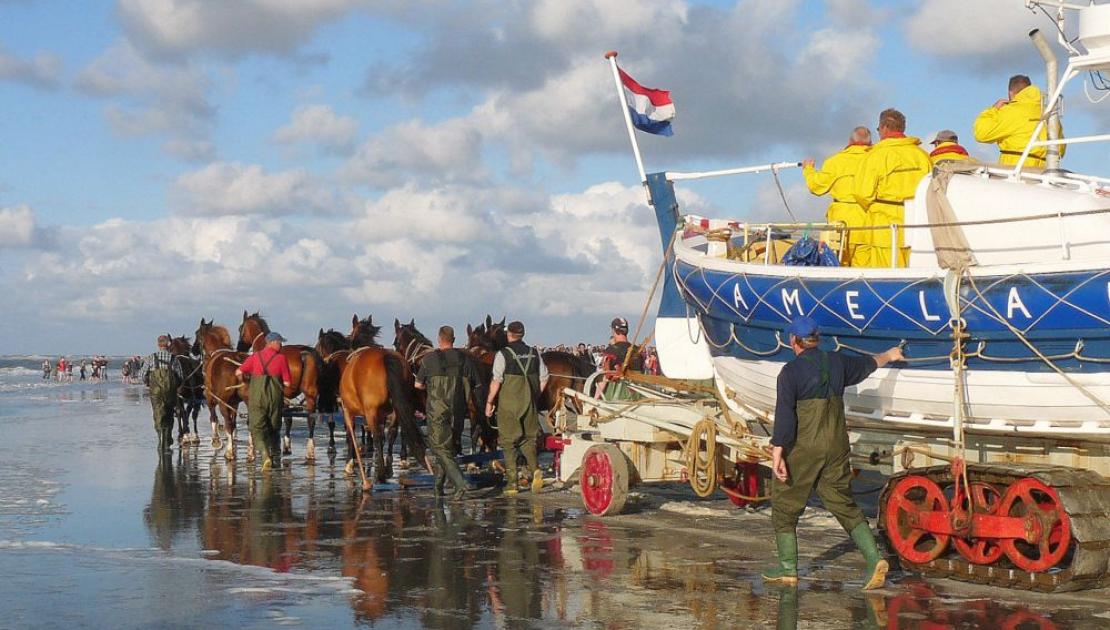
column 1030, row 497
column 603, row 479
column 910, row 497
column 743, row 484
column 985, row 499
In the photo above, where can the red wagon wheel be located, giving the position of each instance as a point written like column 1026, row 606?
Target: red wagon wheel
column 603, row 479
column 985, row 499
column 1031, row 497
column 911, row 496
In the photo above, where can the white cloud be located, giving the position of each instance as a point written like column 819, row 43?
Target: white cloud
column 446, row 152
column 229, row 188
column 17, row 226
column 320, row 125
column 147, row 98
column 984, row 34
column 43, row 71
column 232, row 28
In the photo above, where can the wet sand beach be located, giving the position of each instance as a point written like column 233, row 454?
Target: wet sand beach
column 98, row 530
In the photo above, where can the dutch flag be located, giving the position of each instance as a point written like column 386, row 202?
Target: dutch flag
column 651, row 109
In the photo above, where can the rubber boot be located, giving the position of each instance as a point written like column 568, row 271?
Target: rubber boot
column 787, row 570
column 440, row 483
column 876, row 565
column 511, row 481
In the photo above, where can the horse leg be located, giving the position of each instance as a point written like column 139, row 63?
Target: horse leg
column 216, row 444
column 331, row 435
column 349, row 422
column 383, row 472
column 391, row 434
column 229, row 427
column 456, row 435
column 310, row 447
column 287, row 441
column 194, row 410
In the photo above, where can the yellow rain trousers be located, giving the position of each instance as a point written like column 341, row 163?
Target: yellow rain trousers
column 888, row 176
column 835, row 179
column 1011, row 126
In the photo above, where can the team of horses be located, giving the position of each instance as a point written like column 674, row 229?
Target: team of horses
column 353, row 374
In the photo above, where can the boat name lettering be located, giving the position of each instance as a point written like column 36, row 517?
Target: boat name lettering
column 929, row 317
column 738, row 298
column 1014, row 302
column 853, row 308
column 791, row 297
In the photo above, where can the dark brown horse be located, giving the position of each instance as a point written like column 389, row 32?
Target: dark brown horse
column 221, row 388
column 375, row 382
column 333, row 347
column 304, row 367
column 191, row 391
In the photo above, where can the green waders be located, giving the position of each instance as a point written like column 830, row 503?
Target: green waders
column 449, row 379
column 818, row 461
column 264, row 413
column 518, row 422
column 163, row 400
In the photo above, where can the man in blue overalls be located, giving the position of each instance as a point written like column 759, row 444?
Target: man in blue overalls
column 810, row 448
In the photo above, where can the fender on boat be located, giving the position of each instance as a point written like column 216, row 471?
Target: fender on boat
column 683, row 351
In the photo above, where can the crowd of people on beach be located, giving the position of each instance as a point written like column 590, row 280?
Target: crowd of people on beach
column 90, row 368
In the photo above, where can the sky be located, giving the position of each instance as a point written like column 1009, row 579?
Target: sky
column 167, row 160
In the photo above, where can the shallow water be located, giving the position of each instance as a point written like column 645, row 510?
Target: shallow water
column 98, row 530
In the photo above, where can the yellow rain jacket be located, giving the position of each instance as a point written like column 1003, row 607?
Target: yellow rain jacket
column 888, row 176
column 835, row 178
column 1011, row 126
column 949, row 151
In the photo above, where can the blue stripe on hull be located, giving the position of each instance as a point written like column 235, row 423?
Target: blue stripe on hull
column 1065, row 315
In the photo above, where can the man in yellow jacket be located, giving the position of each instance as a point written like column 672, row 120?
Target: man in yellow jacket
column 947, row 148
column 888, row 176
column 835, row 178
column 1009, row 123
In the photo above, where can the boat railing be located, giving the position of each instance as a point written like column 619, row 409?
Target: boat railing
column 719, row 233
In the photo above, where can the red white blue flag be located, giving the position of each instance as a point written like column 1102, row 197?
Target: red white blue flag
column 651, row 109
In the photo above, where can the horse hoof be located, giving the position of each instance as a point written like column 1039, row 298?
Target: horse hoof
column 216, row 442
column 229, row 456
column 331, row 450
column 366, row 487
column 349, row 469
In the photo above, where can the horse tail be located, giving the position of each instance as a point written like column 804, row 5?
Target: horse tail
column 400, row 396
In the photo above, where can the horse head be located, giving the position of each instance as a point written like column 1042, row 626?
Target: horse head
column 253, row 327
column 180, row 346
column 363, row 332
column 209, row 336
column 331, row 341
column 477, row 339
column 407, row 339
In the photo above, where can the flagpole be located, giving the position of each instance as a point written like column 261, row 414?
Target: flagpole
column 612, row 57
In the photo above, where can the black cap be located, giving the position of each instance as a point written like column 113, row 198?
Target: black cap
column 516, row 327
column 619, row 324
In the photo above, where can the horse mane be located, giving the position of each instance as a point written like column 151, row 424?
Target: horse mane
column 365, row 334
column 257, row 316
column 333, row 340
column 419, row 336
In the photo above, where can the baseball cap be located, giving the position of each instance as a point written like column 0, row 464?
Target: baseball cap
column 802, row 327
column 945, row 135
column 619, row 324
column 274, row 337
column 516, row 327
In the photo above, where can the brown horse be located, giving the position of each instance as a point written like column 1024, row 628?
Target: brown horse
column 220, row 385
column 374, row 382
column 304, row 367
column 191, row 390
